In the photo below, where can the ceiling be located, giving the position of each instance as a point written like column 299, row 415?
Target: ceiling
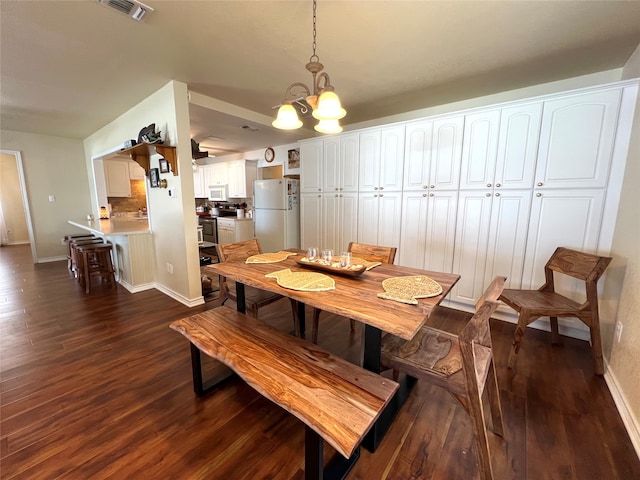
column 67, row 68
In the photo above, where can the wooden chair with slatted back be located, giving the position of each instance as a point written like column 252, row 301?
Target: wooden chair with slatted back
column 371, row 253
column 254, row 297
column 533, row 304
column 462, row 364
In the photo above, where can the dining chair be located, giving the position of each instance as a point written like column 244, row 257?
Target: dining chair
column 371, row 253
column 461, row 364
column 254, row 297
column 533, row 304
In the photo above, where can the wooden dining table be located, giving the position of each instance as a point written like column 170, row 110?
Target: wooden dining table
column 354, row 297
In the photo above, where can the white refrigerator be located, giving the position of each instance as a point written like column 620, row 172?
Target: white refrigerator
column 277, row 213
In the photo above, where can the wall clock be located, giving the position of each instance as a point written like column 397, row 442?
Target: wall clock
column 269, row 154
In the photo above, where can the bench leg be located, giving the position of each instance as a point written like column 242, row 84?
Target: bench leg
column 314, row 469
column 201, row 387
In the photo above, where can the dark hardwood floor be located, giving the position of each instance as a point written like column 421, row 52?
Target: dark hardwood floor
column 97, row 386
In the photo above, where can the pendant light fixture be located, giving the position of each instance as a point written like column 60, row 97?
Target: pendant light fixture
column 323, row 100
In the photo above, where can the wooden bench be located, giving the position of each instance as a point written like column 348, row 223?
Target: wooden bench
column 336, row 400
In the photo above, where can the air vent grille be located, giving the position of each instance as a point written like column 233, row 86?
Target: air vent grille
column 131, row 8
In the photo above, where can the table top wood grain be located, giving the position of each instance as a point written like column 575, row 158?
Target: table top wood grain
column 353, row 297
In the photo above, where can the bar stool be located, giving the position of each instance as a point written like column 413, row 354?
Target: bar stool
column 73, row 243
column 67, row 241
column 94, row 260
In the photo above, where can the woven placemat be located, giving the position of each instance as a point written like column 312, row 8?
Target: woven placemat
column 270, row 257
column 303, row 281
column 408, row 289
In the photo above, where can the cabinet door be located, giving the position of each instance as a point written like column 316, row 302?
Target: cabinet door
column 518, row 146
column 576, row 140
column 348, row 221
column 508, row 229
column 330, row 221
column 349, row 156
column 479, row 150
column 199, row 189
column 236, row 176
column 216, row 174
column 391, row 159
column 472, row 234
column 310, row 220
column 413, row 238
column 447, row 153
column 417, row 155
column 136, row 172
column 117, row 178
column 311, row 166
column 226, row 235
column 369, row 165
column 441, row 231
column 389, row 219
column 368, row 218
column 563, row 218
column 331, row 171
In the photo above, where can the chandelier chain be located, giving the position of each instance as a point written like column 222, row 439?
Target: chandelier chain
column 314, row 57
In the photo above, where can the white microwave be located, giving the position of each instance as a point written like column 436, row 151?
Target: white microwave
column 218, row 193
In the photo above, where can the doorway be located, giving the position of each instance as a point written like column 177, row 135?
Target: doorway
column 15, row 216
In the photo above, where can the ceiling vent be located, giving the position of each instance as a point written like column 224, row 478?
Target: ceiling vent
column 131, row 8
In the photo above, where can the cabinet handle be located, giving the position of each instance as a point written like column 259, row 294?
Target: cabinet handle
column 498, row 185
column 337, row 189
column 319, row 189
column 431, row 194
column 424, row 194
column 381, row 195
column 425, row 186
column 375, row 188
column 375, row 195
column 337, row 195
column 539, row 184
column 538, row 194
column 381, row 188
column 497, row 194
column 489, row 185
column 487, row 194
column 319, row 196
column 432, row 186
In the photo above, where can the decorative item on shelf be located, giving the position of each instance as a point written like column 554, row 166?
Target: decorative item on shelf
column 104, row 215
column 149, row 135
column 154, row 177
column 164, row 166
column 321, row 102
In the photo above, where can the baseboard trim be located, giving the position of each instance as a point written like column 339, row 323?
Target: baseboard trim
column 52, row 259
column 631, row 423
column 176, row 296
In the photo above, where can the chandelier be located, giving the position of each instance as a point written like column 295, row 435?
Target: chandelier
column 322, row 100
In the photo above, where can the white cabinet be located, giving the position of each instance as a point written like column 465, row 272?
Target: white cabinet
column 241, row 175
column 381, row 160
column 433, row 150
column 311, row 220
column 479, row 150
column 339, row 220
column 216, row 174
column 199, row 188
column 428, row 230
column 116, row 174
column 340, row 159
column 311, row 166
column 231, row 230
column 379, row 217
column 577, row 139
column 136, row 172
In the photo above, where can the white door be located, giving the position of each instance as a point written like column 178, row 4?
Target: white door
column 447, row 153
column 310, row 220
column 349, row 156
column 369, row 164
column 330, row 221
column 389, row 219
column 348, row 220
column 417, row 155
column 576, row 140
column 199, row 190
column 479, row 150
column 368, row 218
column 117, row 178
column 311, row 166
column 391, row 159
column 331, row 160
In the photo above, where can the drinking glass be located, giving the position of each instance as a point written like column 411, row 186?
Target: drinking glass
column 345, row 259
column 312, row 253
column 327, row 256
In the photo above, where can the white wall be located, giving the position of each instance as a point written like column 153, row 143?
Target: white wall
column 623, row 276
column 172, row 220
column 52, row 166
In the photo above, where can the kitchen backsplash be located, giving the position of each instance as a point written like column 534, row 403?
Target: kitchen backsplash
column 137, row 200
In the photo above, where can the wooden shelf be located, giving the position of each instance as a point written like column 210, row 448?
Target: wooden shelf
column 141, row 152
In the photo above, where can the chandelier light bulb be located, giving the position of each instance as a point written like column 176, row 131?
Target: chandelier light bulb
column 287, row 118
column 329, row 107
column 328, row 126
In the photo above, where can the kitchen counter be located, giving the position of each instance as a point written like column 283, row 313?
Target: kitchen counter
column 114, row 226
column 133, row 249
